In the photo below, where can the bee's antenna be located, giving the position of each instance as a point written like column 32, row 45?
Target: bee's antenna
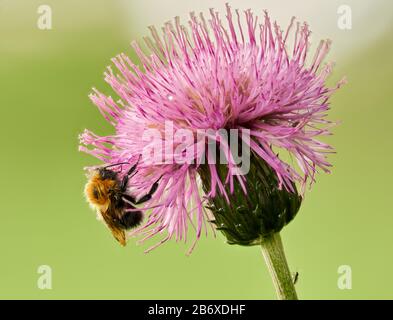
column 116, row 164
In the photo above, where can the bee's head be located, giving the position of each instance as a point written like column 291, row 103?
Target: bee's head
column 106, row 174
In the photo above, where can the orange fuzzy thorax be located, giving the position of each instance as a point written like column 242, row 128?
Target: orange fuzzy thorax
column 97, row 191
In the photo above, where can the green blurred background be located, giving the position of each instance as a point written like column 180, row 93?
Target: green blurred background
column 45, row 77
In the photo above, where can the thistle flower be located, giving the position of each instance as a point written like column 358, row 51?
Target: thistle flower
column 249, row 75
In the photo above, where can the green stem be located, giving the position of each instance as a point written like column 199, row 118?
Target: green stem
column 273, row 252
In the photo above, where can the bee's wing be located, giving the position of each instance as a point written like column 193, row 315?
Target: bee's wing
column 118, row 233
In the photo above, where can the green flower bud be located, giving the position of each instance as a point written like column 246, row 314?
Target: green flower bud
column 248, row 218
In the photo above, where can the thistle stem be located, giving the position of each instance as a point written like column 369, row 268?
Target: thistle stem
column 273, row 252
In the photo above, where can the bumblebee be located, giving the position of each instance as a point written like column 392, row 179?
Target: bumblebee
column 107, row 193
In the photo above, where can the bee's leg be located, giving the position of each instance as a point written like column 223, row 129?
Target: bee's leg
column 124, row 182
column 131, row 171
column 129, row 198
column 148, row 196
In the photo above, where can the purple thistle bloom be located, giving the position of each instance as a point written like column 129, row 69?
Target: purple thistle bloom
column 211, row 77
